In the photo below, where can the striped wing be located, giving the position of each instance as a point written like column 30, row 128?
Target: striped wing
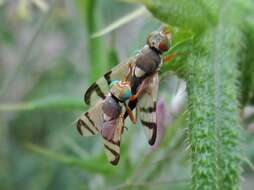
column 91, row 121
column 112, row 146
column 147, row 109
column 99, row 89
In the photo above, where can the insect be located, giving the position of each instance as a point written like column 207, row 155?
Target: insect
column 107, row 118
column 141, row 75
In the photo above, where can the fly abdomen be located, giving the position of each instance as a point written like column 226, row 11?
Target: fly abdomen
column 111, row 107
column 108, row 129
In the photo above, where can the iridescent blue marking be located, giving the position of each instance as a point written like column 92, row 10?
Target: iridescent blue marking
column 113, row 82
column 127, row 94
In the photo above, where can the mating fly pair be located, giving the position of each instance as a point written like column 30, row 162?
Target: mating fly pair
column 127, row 86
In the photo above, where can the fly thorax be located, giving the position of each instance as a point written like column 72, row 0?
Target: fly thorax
column 110, row 108
column 139, row 72
column 148, row 62
column 121, row 90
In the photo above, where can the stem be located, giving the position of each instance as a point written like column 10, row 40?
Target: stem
column 211, row 73
column 227, row 39
column 96, row 51
column 202, row 131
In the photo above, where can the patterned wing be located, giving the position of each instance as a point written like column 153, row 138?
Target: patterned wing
column 147, row 109
column 99, row 89
column 112, row 145
column 91, row 121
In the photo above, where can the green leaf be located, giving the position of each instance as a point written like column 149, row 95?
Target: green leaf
column 118, row 23
column 196, row 16
column 51, row 102
column 95, row 164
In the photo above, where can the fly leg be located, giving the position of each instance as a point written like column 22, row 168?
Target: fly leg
column 169, row 57
column 123, row 127
column 142, row 87
column 126, row 78
column 140, row 90
column 130, row 113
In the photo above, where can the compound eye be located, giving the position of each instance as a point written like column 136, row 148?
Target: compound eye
column 165, row 29
column 114, row 82
column 164, row 45
column 151, row 41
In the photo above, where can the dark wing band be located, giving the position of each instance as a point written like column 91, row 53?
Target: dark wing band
column 100, row 88
column 90, row 122
column 112, row 146
column 147, row 108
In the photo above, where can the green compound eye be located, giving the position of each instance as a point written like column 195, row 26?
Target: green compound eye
column 126, row 94
column 113, row 83
column 120, row 90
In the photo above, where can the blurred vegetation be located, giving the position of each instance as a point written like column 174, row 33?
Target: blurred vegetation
column 50, row 51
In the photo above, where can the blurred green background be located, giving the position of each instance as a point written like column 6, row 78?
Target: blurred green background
column 47, row 60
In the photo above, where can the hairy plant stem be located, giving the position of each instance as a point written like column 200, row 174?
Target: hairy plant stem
column 202, row 131
column 227, row 40
column 214, row 115
column 211, row 73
